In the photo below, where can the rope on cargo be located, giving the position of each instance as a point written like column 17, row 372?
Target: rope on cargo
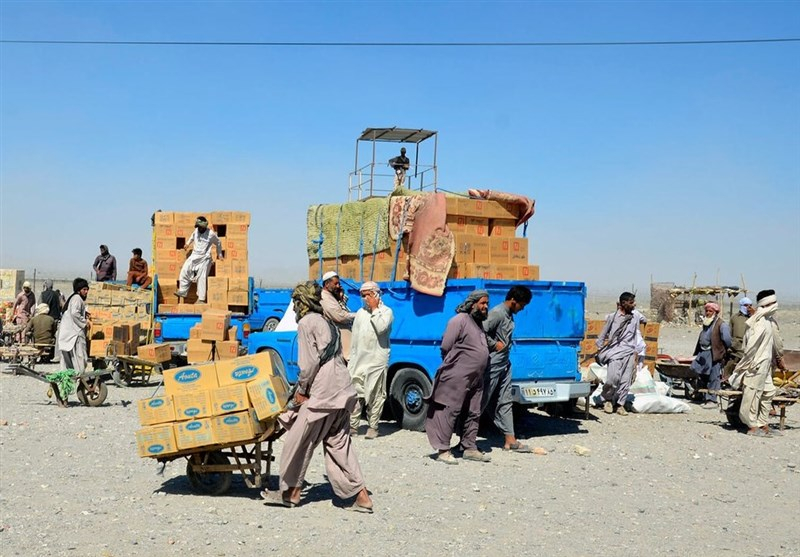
column 338, row 235
column 375, row 242
column 321, row 238
column 400, row 233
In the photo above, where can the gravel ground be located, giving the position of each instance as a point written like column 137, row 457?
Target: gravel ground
column 72, row 484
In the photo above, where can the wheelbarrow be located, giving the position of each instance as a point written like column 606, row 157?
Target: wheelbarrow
column 90, row 389
column 679, row 373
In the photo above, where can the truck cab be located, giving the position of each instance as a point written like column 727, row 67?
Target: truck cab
column 544, row 354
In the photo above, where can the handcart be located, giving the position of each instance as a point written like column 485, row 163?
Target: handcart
column 133, row 370
column 210, row 470
column 91, row 389
column 20, row 354
column 679, row 374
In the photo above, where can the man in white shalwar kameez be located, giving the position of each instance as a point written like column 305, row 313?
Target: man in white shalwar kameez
column 197, row 265
column 762, row 347
column 72, row 328
column 369, row 357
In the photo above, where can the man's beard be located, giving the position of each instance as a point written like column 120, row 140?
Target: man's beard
column 83, row 297
column 478, row 315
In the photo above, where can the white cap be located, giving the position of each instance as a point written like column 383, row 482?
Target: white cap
column 329, row 275
column 26, row 284
column 370, row 286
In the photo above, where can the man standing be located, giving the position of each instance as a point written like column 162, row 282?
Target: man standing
column 499, row 327
column 72, row 329
column 53, row 299
column 23, row 305
column 762, row 346
column 137, row 270
column 400, row 165
column 325, row 397
column 458, row 387
column 43, row 327
column 196, row 267
column 105, row 265
column 369, row 357
column 619, row 354
column 738, row 326
column 334, row 307
column 709, row 353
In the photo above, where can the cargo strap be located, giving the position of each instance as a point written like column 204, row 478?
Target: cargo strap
column 321, row 239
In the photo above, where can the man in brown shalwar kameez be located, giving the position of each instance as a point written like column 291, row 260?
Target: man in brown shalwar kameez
column 325, row 397
column 458, row 387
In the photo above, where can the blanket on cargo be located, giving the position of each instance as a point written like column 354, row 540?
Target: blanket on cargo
column 525, row 204
column 431, row 247
column 348, row 228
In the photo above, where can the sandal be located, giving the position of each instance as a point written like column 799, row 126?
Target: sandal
column 518, row 448
column 275, row 499
column 355, row 507
column 476, row 455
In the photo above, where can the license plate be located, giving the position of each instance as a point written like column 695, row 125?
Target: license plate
column 538, row 391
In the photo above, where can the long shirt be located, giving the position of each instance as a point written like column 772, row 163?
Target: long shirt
column 331, row 388
column 704, row 340
column 201, row 243
column 105, row 267
column 73, row 323
column 369, row 344
column 738, row 327
column 626, row 341
column 499, row 327
column 23, row 305
column 43, row 327
column 338, row 313
column 53, row 300
column 137, row 266
column 465, row 355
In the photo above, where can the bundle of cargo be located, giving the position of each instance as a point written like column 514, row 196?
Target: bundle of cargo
column 369, row 240
column 213, row 338
column 120, row 317
column 216, row 403
column 228, row 279
column 594, row 327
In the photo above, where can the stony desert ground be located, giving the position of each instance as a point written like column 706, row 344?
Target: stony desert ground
column 685, row 484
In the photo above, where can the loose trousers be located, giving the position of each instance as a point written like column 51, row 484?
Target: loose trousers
column 497, row 398
column 194, row 272
column 371, row 388
column 306, row 432
column 619, row 379
column 442, row 421
column 77, row 358
column 756, row 404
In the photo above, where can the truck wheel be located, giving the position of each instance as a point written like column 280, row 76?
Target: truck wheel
column 559, row 409
column 409, row 387
column 270, row 324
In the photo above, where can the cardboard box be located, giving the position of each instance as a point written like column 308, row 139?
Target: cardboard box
column 164, row 217
column 235, row 243
column 480, row 208
column 168, row 271
column 237, row 284
column 198, row 350
column 190, row 378
column 215, row 324
column 236, row 254
column 651, row 331
column 477, row 226
column 194, row 332
column 588, row 347
column 233, row 332
column 518, row 251
column 481, row 250
column 594, row 327
column 194, row 433
column 233, row 398
column 165, row 231
column 156, row 440
column 218, row 283
column 239, row 218
column 241, row 426
column 222, row 268
column 478, row 270
column 98, row 347
column 237, row 230
column 499, row 249
column 238, row 298
column 228, row 349
column 165, row 255
column 156, row 410
column 127, row 332
column 189, row 406
column 155, row 352
column 506, row 228
column 239, row 269
column 651, row 348
column 268, row 396
column 218, row 298
column 186, row 219
column 244, row 369
column 504, row 272
column 527, row 272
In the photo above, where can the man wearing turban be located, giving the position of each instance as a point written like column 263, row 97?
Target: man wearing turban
column 43, row 328
column 710, row 353
column 738, row 325
column 458, row 387
column 72, row 328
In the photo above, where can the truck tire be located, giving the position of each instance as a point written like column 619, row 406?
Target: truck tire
column 409, row 387
column 270, row 324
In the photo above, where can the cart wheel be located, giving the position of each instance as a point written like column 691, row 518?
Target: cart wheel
column 95, row 396
column 209, row 483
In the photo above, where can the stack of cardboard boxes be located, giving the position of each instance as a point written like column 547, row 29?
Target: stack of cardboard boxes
column 210, row 404
column 486, row 247
column 120, row 317
column 594, row 327
column 213, row 338
column 228, row 284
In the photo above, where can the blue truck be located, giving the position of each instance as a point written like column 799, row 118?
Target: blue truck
column 266, row 307
column 544, row 355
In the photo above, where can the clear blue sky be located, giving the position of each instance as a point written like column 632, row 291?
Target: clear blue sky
column 644, row 161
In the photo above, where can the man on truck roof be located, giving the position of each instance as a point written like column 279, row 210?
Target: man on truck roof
column 197, row 265
column 137, row 270
column 497, row 399
column 105, row 265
